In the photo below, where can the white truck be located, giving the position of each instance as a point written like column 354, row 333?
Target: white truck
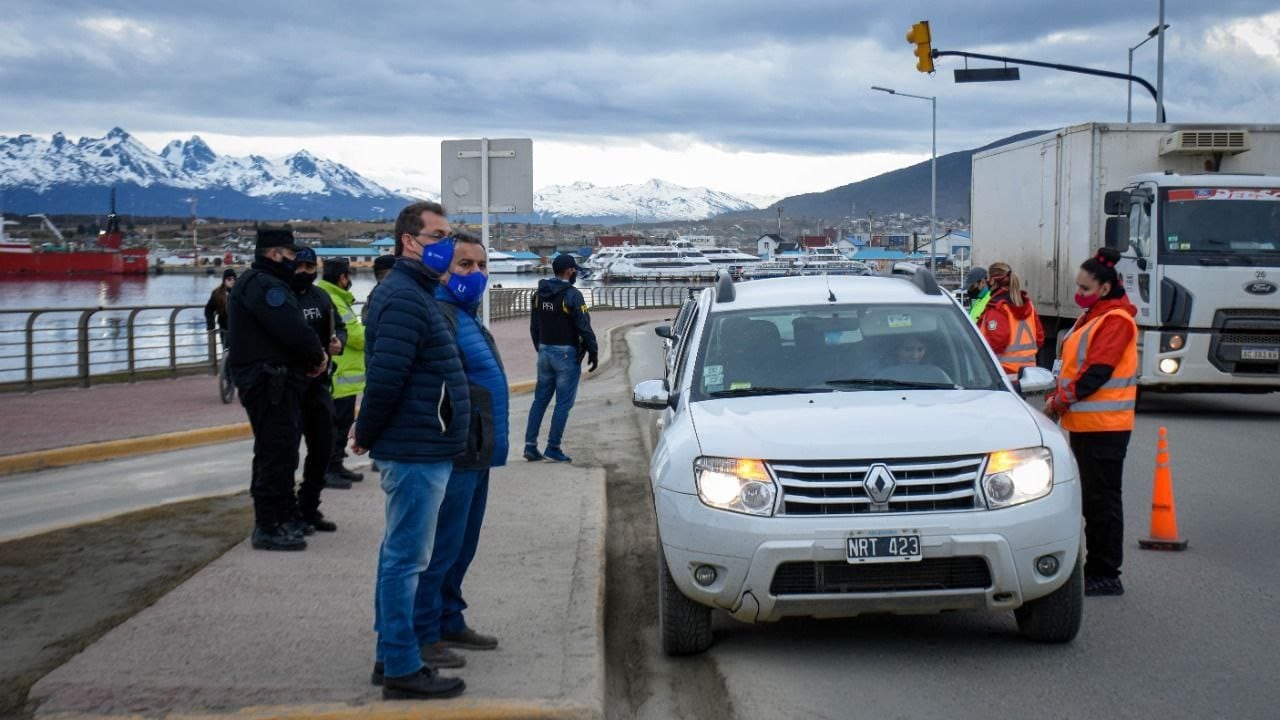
column 1195, row 212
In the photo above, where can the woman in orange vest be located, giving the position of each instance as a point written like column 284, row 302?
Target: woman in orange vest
column 1095, row 398
column 1010, row 323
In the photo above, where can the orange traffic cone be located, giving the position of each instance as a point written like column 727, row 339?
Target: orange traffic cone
column 1164, row 518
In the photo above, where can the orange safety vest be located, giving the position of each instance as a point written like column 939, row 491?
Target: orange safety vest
column 1022, row 348
column 1111, row 407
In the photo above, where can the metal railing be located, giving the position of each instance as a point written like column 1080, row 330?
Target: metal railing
column 56, row 347
column 44, row 348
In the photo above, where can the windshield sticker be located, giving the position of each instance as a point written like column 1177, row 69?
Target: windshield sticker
column 1173, row 242
column 713, row 375
column 899, row 321
column 842, row 337
column 740, row 386
column 1186, row 194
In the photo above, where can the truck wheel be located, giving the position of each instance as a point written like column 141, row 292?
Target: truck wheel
column 1055, row 618
column 685, row 625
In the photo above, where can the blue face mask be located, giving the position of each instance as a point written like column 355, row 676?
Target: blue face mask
column 467, row 288
column 438, row 256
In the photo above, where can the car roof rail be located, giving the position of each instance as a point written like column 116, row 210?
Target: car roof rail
column 919, row 276
column 725, row 291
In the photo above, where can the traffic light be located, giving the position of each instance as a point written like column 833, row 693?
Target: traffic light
column 919, row 36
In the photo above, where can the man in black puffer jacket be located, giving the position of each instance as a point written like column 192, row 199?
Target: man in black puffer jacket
column 414, row 419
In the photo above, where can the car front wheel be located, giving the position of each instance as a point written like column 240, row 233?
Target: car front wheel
column 1055, row 618
column 685, row 626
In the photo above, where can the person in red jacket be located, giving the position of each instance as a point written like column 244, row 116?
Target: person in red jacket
column 1010, row 323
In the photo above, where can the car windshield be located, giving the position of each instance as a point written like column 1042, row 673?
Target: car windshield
column 841, row 348
column 1220, row 226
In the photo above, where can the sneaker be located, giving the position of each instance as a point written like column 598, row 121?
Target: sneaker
column 556, row 455
column 468, row 639
column 317, row 521
column 334, row 481
column 440, row 656
column 1097, row 586
column 276, row 538
column 531, row 454
column 426, row 684
column 351, row 475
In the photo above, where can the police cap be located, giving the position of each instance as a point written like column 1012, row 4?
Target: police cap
column 269, row 238
column 384, row 262
column 336, row 266
column 305, row 255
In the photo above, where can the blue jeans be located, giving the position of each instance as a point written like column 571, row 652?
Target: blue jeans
column 558, row 373
column 415, row 492
column 439, row 605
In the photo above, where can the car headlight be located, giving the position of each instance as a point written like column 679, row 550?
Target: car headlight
column 1014, row 477
column 737, row 485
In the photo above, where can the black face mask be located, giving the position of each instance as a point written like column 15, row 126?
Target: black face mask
column 302, row 281
column 573, row 278
column 281, row 269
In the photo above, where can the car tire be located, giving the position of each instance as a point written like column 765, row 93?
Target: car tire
column 1055, row 618
column 685, row 626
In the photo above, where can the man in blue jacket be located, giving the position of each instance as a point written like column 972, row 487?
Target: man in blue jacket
column 415, row 418
column 438, row 609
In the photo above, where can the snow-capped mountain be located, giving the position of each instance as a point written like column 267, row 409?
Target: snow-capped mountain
column 65, row 177
column 653, row 201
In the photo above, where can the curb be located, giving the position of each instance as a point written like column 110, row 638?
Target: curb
column 115, row 449
column 382, row 710
column 112, row 449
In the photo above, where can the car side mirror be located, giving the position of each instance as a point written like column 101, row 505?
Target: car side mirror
column 651, row 395
column 1116, row 202
column 1117, row 233
column 1035, row 381
column 664, row 331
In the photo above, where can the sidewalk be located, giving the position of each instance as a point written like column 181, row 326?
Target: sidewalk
column 288, row 635
column 78, row 416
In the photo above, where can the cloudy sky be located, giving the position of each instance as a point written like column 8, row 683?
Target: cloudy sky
column 747, row 96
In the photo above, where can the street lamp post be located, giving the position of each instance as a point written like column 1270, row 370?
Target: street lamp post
column 1154, row 31
column 933, row 169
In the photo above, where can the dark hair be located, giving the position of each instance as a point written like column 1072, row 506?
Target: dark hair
column 1102, row 266
column 463, row 236
column 409, row 222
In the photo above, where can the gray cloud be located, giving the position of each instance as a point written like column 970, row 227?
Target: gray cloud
column 749, row 74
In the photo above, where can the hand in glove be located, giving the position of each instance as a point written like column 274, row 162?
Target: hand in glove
column 592, row 361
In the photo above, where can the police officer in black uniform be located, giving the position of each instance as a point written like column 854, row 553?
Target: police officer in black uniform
column 317, row 402
column 275, row 353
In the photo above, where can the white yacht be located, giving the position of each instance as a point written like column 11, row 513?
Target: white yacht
column 658, row 262
column 830, row 260
column 502, row 263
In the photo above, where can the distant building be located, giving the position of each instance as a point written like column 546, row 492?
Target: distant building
column 768, row 245
column 308, row 237
column 618, row 240
column 384, row 246
column 813, row 241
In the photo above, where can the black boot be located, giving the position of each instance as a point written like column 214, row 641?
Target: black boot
column 293, row 521
column 351, row 475
column 334, row 481
column 269, row 533
column 317, row 521
column 426, row 684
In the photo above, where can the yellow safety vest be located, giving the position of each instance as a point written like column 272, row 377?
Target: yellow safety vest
column 348, row 379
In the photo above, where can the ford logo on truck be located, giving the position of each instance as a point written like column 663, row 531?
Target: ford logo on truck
column 1260, row 287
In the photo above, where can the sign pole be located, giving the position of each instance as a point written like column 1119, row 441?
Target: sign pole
column 484, row 218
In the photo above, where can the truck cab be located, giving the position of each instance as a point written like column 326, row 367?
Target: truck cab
column 1201, row 261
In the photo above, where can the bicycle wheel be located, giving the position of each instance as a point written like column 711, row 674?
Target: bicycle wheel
column 225, row 387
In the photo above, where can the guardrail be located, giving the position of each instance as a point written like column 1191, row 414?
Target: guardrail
column 56, row 347
column 43, row 348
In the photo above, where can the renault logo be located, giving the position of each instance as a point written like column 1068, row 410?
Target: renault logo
column 879, row 484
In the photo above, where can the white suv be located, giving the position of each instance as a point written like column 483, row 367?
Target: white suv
column 833, row 446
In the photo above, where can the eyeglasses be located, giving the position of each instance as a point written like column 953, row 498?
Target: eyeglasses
column 437, row 235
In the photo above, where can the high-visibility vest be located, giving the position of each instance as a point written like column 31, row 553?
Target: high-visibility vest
column 348, row 378
column 979, row 305
column 1022, row 348
column 1111, row 408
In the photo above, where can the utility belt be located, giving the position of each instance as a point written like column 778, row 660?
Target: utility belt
column 278, row 379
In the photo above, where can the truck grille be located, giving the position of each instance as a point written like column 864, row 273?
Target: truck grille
column 839, row 487
column 818, row 578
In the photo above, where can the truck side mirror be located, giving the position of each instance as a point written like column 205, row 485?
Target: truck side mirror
column 1117, row 234
column 1116, row 202
column 664, row 331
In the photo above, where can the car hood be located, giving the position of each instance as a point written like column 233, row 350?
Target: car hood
column 866, row 424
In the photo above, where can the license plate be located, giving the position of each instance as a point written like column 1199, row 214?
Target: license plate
column 883, row 548
column 1260, row 354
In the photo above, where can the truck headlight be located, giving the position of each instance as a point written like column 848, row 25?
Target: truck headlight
column 1014, row 477
column 737, row 485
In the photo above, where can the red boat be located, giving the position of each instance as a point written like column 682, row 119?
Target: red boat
column 107, row 258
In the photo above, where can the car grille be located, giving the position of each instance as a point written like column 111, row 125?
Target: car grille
column 818, row 578
column 1250, row 339
column 837, row 488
